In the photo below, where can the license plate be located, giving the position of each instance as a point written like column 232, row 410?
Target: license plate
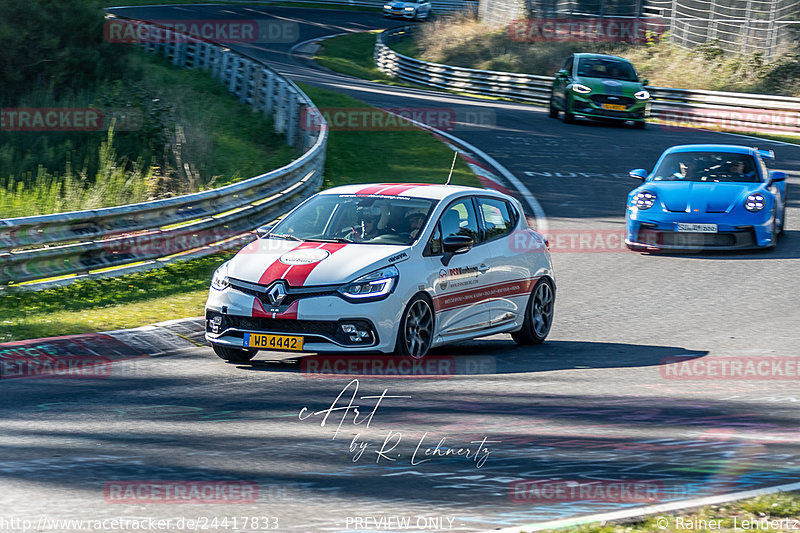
column 275, row 342
column 696, row 228
column 614, row 107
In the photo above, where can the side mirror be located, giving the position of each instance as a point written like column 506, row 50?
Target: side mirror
column 455, row 244
column 645, row 81
column 776, row 175
column 638, row 173
column 562, row 73
column 262, row 231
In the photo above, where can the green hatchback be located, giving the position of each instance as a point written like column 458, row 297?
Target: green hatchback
column 600, row 87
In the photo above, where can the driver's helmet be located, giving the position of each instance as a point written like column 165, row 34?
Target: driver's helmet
column 368, row 213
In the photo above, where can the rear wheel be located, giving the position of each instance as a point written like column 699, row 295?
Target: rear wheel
column 416, row 328
column 538, row 315
column 233, row 355
column 639, row 124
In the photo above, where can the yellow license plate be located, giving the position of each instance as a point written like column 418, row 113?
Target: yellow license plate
column 273, row 342
column 614, row 107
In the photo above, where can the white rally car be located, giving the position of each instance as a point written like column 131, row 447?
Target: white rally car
column 418, row 10
column 393, row 268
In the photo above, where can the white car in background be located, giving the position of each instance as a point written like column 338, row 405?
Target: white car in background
column 392, row 268
column 410, row 10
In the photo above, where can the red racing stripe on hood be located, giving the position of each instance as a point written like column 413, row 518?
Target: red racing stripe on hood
column 296, row 275
column 277, row 269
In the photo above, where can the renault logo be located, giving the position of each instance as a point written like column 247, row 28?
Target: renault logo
column 276, row 294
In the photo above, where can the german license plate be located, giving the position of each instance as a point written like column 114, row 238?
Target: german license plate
column 696, row 228
column 274, row 342
column 614, row 107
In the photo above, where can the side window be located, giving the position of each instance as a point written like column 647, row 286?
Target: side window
column 435, row 244
column 460, row 219
column 497, row 217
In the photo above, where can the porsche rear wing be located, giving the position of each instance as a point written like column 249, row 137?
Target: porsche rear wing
column 766, row 154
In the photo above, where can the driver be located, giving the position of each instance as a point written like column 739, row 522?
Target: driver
column 413, row 221
column 686, row 170
column 367, row 227
column 736, row 170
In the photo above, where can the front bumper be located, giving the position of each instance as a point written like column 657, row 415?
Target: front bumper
column 318, row 319
column 585, row 106
column 399, row 14
column 655, row 235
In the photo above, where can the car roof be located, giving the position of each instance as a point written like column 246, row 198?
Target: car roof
column 725, row 148
column 587, row 55
column 430, row 191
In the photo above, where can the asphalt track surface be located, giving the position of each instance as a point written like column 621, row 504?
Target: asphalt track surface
column 596, row 403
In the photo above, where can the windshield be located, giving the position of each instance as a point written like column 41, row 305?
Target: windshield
column 606, row 68
column 371, row 219
column 707, row 166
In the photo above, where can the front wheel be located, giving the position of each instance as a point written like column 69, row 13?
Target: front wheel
column 639, row 124
column 553, row 111
column 416, row 328
column 538, row 315
column 233, row 355
column 569, row 117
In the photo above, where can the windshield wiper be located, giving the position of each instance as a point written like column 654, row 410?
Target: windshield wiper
column 284, row 236
column 334, row 239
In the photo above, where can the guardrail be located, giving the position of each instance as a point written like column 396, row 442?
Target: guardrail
column 676, row 107
column 119, row 240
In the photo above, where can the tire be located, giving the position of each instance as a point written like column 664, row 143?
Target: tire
column 569, row 117
column 415, row 335
column 553, row 111
column 233, row 355
column 639, row 124
column 538, row 314
column 783, row 216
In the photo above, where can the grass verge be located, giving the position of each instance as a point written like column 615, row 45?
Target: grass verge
column 763, row 514
column 352, row 54
column 179, row 290
column 384, row 156
column 175, row 291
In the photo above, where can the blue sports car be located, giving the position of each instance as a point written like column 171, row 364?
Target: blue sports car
column 707, row 197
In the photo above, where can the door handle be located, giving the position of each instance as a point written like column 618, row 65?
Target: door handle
column 482, row 269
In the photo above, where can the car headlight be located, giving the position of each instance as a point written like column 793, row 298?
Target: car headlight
column 644, row 200
column 581, row 88
column 220, row 280
column 373, row 285
column 754, row 202
column 642, row 95
column 387, row 6
column 409, row 9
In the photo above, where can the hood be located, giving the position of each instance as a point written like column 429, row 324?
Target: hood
column 611, row 87
column 698, row 196
column 311, row 263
